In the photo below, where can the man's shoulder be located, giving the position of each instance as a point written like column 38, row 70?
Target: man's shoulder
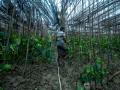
column 60, row 32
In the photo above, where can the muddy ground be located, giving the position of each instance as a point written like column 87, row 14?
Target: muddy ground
column 43, row 77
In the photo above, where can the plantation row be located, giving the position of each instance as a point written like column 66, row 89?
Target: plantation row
column 99, row 55
column 93, row 47
column 19, row 47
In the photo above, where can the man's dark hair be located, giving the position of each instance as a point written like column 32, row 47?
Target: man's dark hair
column 62, row 29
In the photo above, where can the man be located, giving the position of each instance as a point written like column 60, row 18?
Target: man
column 61, row 43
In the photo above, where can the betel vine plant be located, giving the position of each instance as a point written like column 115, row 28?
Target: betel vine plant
column 94, row 73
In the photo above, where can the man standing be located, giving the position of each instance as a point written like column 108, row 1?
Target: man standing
column 61, row 43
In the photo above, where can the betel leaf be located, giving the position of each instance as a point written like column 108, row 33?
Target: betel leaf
column 1, row 88
column 18, row 41
column 5, row 67
column 98, row 60
column 79, row 87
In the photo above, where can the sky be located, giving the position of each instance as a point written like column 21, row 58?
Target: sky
column 77, row 9
column 58, row 3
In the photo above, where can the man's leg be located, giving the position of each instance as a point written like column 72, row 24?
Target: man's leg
column 60, row 55
column 63, row 52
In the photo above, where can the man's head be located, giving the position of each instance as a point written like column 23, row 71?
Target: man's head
column 62, row 29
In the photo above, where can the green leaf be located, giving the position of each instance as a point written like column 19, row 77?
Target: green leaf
column 39, row 45
column 1, row 88
column 79, row 87
column 12, row 47
column 18, row 41
column 98, row 60
column 5, row 67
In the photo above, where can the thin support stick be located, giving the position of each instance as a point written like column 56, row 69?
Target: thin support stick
column 59, row 78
